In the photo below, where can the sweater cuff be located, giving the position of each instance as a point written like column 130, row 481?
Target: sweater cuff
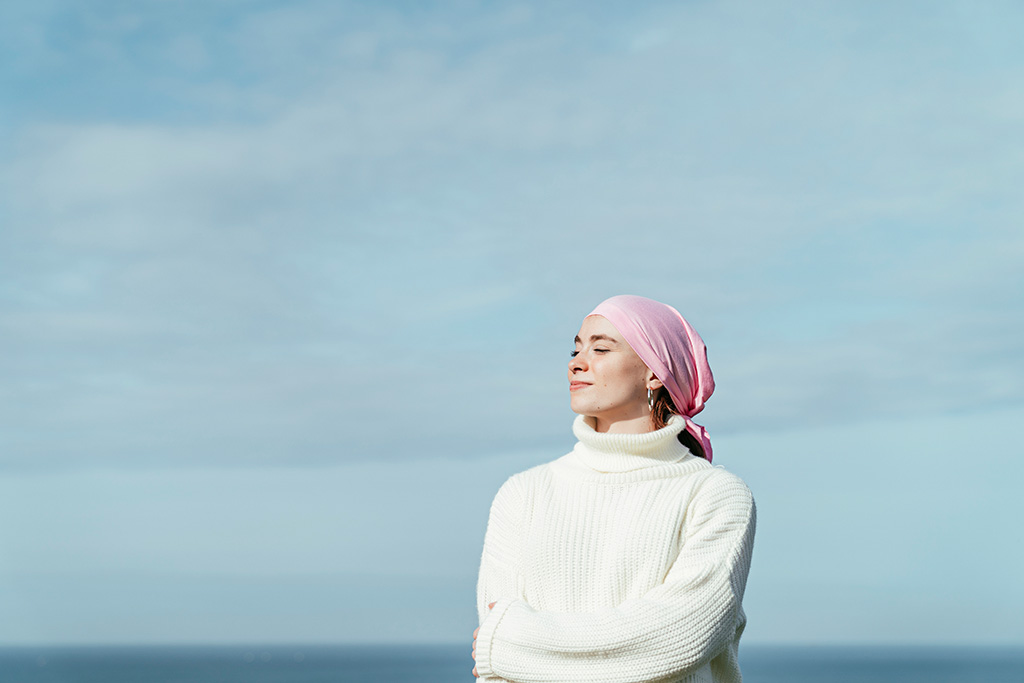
column 485, row 638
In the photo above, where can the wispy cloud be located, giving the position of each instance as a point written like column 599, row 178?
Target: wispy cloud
column 327, row 216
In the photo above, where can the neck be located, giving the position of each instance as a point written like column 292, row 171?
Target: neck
column 637, row 424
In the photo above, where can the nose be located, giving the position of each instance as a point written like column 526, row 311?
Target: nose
column 577, row 363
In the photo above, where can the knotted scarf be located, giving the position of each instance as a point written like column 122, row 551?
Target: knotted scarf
column 671, row 348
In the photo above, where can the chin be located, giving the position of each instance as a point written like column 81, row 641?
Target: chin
column 578, row 409
column 583, row 410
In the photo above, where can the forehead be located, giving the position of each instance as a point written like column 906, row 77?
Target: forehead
column 597, row 324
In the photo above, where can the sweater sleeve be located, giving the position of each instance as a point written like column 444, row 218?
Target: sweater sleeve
column 674, row 628
column 498, row 565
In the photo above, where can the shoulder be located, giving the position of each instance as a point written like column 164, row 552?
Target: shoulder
column 517, row 488
column 717, row 477
column 721, row 490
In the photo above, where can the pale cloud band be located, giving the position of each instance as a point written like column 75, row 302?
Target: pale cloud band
column 346, row 212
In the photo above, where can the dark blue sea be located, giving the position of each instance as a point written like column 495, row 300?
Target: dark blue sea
column 448, row 664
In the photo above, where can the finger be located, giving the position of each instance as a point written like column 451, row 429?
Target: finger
column 476, row 631
column 491, row 606
column 475, row 673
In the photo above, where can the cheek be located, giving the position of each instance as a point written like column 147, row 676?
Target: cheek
column 622, row 377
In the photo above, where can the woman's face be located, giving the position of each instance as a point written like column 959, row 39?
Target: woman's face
column 607, row 380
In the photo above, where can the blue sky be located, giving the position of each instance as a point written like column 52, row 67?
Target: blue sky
column 288, row 289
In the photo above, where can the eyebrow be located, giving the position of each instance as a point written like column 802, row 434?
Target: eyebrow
column 596, row 337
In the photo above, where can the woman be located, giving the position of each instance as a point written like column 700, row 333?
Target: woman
column 625, row 560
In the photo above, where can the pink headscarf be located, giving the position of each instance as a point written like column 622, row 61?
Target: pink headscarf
column 671, row 348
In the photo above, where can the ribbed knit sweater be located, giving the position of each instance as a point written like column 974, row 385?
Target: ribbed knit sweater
column 623, row 561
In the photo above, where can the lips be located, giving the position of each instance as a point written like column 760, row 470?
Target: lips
column 576, row 385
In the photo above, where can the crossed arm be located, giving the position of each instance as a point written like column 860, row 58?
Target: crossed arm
column 676, row 627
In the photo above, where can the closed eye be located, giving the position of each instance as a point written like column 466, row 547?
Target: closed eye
column 573, row 354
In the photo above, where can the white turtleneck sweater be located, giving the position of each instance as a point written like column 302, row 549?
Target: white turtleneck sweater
column 624, row 561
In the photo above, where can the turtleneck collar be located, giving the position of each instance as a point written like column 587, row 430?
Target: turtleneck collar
column 604, row 452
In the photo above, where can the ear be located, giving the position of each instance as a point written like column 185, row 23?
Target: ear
column 652, row 382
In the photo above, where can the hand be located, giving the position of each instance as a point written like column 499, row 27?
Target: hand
column 490, row 606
